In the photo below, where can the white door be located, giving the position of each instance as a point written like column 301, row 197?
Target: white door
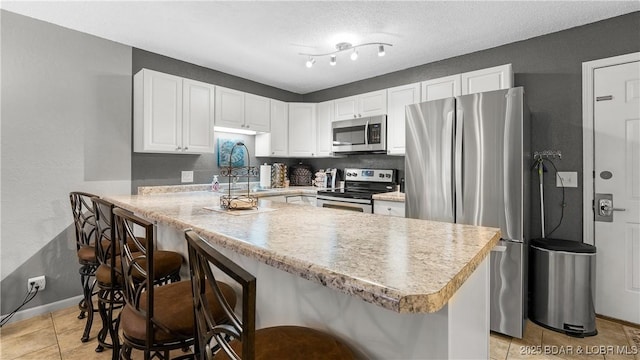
column 279, row 128
column 442, row 88
column 617, row 172
column 302, row 129
column 197, row 120
column 398, row 98
column 257, row 114
column 229, row 108
column 373, row 103
column 324, row 118
column 489, row 79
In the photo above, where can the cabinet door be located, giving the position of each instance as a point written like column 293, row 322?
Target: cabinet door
column 346, row 108
column 398, row 98
column 373, row 103
column 323, row 130
column 157, row 112
column 495, row 78
column 229, row 108
column 198, row 107
column 257, row 113
column 279, row 128
column 441, row 88
column 275, row 143
column 302, row 129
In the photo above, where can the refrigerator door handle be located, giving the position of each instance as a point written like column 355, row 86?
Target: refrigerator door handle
column 447, row 173
column 458, row 162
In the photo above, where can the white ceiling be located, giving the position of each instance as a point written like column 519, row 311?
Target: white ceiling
column 260, row 40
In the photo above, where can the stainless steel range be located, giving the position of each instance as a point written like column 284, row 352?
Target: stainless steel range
column 360, row 186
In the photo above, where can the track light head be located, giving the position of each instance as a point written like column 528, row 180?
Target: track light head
column 310, row 62
column 332, row 60
column 381, row 51
column 354, row 55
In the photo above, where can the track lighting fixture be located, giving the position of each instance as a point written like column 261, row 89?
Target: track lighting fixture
column 344, row 46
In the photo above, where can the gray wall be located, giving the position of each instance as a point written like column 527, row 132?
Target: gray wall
column 549, row 68
column 66, row 125
column 165, row 169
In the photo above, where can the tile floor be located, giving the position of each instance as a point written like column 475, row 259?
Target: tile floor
column 57, row 336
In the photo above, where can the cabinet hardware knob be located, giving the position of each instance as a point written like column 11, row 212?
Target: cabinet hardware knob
column 242, row 125
column 178, row 148
column 247, row 126
column 273, row 153
column 186, row 148
column 389, row 209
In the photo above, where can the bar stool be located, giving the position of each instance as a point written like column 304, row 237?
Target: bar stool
column 84, row 220
column 279, row 342
column 155, row 319
column 109, row 272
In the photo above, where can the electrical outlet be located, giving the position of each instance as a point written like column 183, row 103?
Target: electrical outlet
column 187, row 176
column 567, row 179
column 39, row 281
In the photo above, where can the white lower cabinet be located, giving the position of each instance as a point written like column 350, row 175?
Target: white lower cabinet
column 390, row 208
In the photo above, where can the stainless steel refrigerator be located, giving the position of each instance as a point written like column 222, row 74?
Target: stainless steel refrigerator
column 467, row 161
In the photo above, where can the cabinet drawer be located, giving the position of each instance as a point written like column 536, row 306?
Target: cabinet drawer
column 391, row 208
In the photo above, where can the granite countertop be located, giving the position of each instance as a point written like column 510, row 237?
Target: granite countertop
column 390, row 196
column 292, row 190
column 405, row 265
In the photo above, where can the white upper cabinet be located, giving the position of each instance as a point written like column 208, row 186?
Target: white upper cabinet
column 229, row 108
column 198, row 111
column 441, row 88
column 257, row 113
column 495, row 78
column 302, row 129
column 369, row 104
column 324, row 117
column 172, row 114
column 398, row 98
column 239, row 110
column 276, row 142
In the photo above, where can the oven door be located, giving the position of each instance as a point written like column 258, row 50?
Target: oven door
column 364, row 134
column 363, row 206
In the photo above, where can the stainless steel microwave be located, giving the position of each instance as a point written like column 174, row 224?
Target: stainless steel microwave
column 367, row 135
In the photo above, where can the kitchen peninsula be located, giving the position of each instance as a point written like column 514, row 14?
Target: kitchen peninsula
column 389, row 287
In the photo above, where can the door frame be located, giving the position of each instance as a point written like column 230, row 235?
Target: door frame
column 588, row 174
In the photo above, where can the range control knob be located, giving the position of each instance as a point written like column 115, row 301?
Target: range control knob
column 381, row 175
column 388, row 175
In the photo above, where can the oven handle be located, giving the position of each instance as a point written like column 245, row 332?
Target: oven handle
column 344, row 200
column 343, row 205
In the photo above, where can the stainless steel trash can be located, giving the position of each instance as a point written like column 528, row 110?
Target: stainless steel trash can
column 562, row 282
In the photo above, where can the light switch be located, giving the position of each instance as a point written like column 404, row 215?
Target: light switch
column 567, row 179
column 187, row 176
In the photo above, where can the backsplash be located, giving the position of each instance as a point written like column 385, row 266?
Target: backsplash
column 373, row 161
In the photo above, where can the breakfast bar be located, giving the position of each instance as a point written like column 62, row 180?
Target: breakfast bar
column 389, row 287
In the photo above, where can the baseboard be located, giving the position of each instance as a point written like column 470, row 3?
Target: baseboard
column 622, row 322
column 45, row 309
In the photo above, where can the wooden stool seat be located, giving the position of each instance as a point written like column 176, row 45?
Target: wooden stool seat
column 173, row 309
column 87, row 255
column 292, row 342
